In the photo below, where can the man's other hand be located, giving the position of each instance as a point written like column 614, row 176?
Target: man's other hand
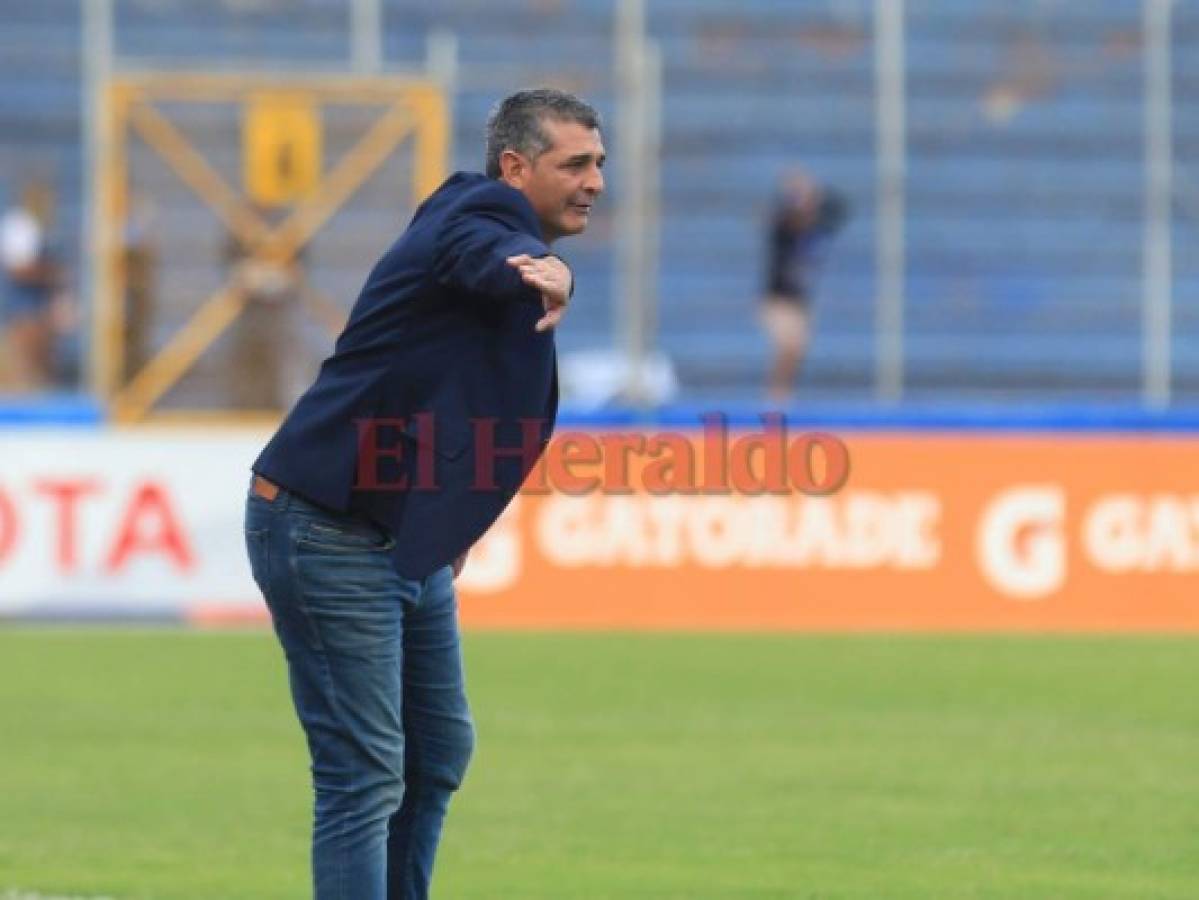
column 552, row 277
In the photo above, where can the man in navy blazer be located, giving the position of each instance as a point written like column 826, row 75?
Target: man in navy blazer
column 437, row 401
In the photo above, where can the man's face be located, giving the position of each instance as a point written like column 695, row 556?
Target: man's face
column 563, row 183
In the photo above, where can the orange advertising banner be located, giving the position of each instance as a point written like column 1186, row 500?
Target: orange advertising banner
column 954, row 532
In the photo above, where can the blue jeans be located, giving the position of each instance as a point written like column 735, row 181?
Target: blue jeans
column 375, row 667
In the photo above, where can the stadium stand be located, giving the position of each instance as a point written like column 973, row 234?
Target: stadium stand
column 1024, row 196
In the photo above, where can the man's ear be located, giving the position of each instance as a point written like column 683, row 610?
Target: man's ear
column 514, row 168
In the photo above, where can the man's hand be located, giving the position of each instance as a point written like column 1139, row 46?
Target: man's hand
column 552, row 277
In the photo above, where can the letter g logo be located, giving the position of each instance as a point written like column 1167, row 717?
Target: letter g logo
column 1020, row 543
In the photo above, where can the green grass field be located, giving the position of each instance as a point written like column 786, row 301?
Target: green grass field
column 167, row 764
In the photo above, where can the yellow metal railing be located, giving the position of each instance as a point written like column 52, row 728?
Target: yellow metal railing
column 410, row 109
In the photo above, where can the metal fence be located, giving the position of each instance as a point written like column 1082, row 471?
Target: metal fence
column 1017, row 170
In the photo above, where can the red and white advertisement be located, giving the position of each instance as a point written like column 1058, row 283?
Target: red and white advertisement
column 111, row 522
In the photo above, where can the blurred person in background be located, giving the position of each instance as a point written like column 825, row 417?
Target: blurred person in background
column 355, row 539
column 805, row 216
column 139, row 252
column 34, row 309
column 264, row 339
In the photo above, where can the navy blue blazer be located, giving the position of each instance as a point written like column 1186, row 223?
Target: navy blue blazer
column 438, row 366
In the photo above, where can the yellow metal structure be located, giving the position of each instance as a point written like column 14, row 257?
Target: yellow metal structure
column 282, row 115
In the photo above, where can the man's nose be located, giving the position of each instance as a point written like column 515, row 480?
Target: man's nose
column 595, row 182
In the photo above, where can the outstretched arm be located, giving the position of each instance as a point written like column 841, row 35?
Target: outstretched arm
column 478, row 238
column 486, row 248
column 553, row 278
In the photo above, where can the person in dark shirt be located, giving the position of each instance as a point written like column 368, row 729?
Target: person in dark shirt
column 354, row 549
column 805, row 216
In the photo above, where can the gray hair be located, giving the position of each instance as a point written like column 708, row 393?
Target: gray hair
column 515, row 123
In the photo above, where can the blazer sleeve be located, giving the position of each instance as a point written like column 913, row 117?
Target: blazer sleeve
column 474, row 243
